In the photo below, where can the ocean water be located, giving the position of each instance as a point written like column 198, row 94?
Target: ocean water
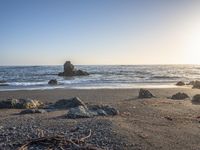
column 117, row 76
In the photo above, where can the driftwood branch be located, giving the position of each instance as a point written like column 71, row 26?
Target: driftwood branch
column 59, row 142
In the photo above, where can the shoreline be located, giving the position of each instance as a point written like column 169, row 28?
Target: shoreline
column 135, row 86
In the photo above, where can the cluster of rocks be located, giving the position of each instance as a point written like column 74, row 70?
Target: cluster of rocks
column 70, row 70
column 144, row 93
column 77, row 108
column 21, row 104
column 195, row 84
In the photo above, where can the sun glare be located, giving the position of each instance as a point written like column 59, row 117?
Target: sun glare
column 192, row 47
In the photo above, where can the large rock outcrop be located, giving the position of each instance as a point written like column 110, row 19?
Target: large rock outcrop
column 70, row 70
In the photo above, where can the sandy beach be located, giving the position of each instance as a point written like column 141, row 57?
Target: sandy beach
column 154, row 124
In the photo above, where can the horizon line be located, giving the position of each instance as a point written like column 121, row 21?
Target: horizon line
column 95, row 65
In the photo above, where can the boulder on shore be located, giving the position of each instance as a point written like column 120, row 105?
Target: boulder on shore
column 196, row 99
column 179, row 96
column 53, row 82
column 103, row 110
column 196, row 85
column 92, row 111
column 69, row 70
column 21, row 104
column 180, row 83
column 68, row 103
column 79, row 112
column 143, row 93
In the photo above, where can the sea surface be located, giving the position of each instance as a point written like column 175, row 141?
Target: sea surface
column 116, row 76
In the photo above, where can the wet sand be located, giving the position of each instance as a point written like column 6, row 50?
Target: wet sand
column 154, row 124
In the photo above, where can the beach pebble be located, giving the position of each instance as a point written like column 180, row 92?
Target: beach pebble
column 179, row 96
column 143, row 93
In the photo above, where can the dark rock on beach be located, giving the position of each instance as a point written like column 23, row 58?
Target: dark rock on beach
column 196, row 85
column 32, row 111
column 69, row 70
column 68, row 103
column 143, row 93
column 53, row 82
column 180, row 83
column 20, row 103
column 103, row 110
column 196, row 99
column 179, row 96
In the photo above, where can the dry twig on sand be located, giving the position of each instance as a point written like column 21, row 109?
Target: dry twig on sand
column 59, row 142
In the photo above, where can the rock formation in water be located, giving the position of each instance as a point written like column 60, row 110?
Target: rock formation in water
column 70, row 70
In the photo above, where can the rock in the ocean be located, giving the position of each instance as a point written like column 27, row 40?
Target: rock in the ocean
column 81, row 73
column 103, row 110
column 3, row 83
column 69, row 70
column 68, row 103
column 32, row 111
column 191, row 83
column 143, row 93
column 196, row 85
column 179, row 96
column 180, row 83
column 21, row 103
column 53, row 82
column 196, row 99
column 79, row 112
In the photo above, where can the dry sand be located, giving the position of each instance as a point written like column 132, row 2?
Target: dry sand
column 147, row 124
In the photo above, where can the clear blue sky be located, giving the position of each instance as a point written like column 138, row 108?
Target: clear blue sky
column 34, row 32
